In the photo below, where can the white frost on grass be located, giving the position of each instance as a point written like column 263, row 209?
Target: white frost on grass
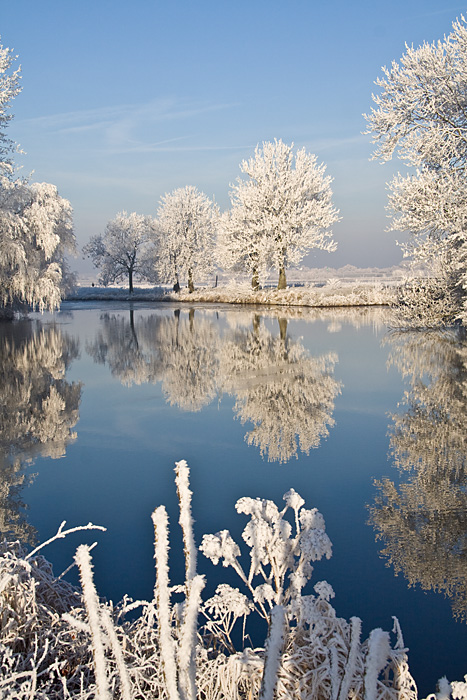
column 355, row 295
column 58, row 643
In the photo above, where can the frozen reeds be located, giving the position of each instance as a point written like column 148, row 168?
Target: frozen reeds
column 58, row 642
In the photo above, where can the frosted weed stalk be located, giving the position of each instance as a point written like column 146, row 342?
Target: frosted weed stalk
column 56, row 642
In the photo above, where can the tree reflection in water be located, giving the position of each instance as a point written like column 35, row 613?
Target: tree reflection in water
column 128, row 348
column 189, row 350
column 284, row 392
column 423, row 522
column 38, row 410
column 287, row 395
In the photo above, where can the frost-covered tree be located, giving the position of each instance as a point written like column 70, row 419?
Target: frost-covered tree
column 186, row 220
column 121, row 251
column 420, row 115
column 9, row 88
column 36, row 233
column 36, row 229
column 279, row 213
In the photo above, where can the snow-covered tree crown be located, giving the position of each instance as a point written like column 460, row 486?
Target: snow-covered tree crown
column 186, row 221
column 36, row 228
column 420, row 115
column 280, row 212
column 36, row 232
column 9, row 88
column 420, row 109
column 120, row 252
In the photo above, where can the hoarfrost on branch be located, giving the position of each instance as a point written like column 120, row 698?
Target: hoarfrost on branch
column 420, row 115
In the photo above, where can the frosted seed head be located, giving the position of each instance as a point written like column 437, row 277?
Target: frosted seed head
column 293, row 499
column 228, row 600
column 324, row 590
column 264, row 592
column 220, row 545
column 315, row 544
column 311, row 519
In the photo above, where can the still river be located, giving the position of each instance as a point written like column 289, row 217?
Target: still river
column 368, row 426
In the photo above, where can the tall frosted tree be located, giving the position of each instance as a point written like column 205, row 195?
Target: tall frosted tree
column 186, row 220
column 420, row 115
column 36, row 230
column 279, row 213
column 9, row 89
column 36, row 233
column 120, row 253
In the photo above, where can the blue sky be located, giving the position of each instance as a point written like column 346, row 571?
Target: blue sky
column 124, row 101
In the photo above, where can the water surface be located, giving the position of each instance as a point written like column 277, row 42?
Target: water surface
column 101, row 399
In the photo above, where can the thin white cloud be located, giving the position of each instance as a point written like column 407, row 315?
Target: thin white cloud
column 321, row 145
column 164, row 147
column 128, row 114
column 126, row 129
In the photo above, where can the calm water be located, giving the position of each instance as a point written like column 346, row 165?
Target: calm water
column 101, row 400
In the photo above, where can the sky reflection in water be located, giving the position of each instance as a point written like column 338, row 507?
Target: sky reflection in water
column 368, row 427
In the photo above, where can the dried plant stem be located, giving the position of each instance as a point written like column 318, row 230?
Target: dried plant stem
column 162, row 597
column 186, row 520
column 273, row 651
column 83, row 559
column 356, row 630
column 187, row 644
column 109, row 627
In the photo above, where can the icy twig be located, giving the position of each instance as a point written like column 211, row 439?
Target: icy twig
column 61, row 533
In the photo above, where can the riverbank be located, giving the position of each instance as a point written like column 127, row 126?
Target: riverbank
column 333, row 294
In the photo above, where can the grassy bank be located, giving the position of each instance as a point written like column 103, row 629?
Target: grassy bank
column 334, row 294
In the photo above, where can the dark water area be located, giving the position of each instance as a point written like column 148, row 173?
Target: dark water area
column 100, row 400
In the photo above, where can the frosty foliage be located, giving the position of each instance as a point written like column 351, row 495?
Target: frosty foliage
column 184, row 236
column 120, row 252
column 36, row 233
column 9, row 89
column 420, row 115
column 56, row 641
column 36, row 229
column 278, row 214
column 421, row 521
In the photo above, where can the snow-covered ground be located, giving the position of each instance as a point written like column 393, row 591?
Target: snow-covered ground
column 346, row 286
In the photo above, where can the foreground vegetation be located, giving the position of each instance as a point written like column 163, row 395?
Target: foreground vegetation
column 59, row 642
